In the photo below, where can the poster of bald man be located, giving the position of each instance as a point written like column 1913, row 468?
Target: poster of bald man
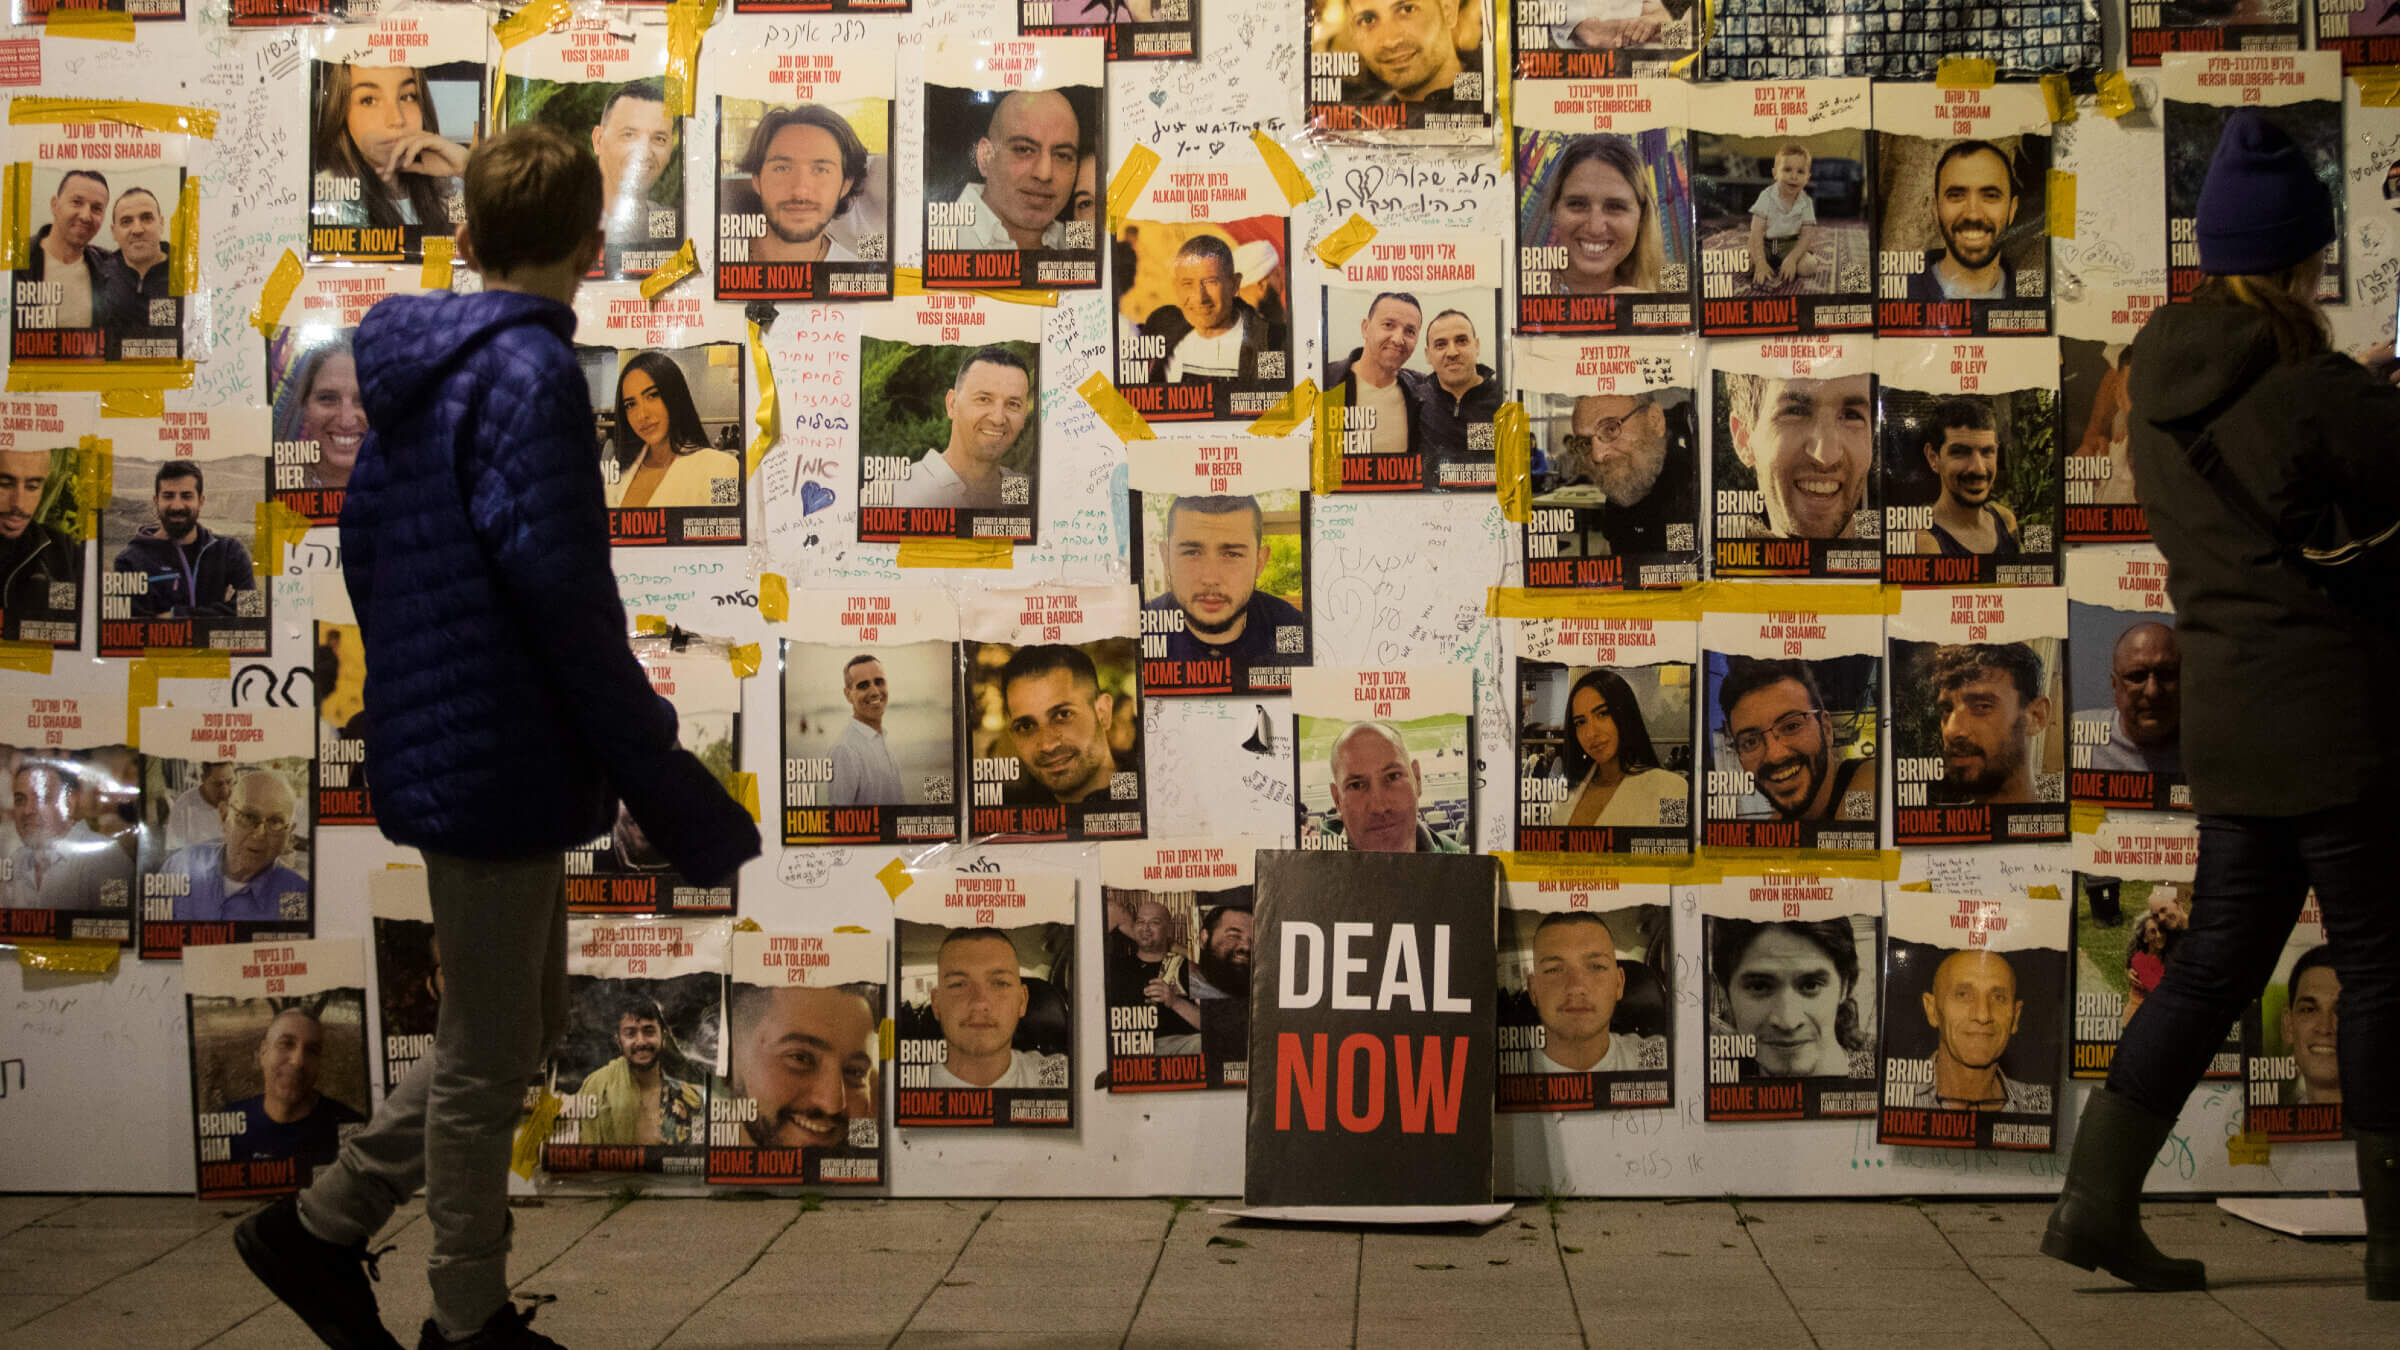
column 343, row 797
column 1015, row 170
column 2299, row 92
column 2291, row 1048
column 1614, row 477
column 1400, row 72
column 1605, row 756
column 1961, row 210
column 622, row 871
column 1783, row 205
column 1604, row 207
column 1054, row 715
column 1411, row 402
column 2126, row 680
column 644, row 1046
column 49, row 505
column 1790, row 718
column 871, row 718
column 950, row 423
column 1220, row 546
column 1136, row 30
column 1793, row 458
column 395, row 104
column 76, row 839
column 804, row 171
column 1604, row 39
column 2133, row 909
column 1587, row 999
column 1176, row 961
column 313, row 393
column 179, row 532
column 602, row 81
column 1204, row 292
column 985, row 987
column 1972, row 487
column 1974, row 989
column 408, row 969
column 1793, row 963
column 802, row 1100
column 1385, row 759
column 1978, row 688
column 2154, row 30
column 228, row 793
column 95, row 278
column 279, row 1061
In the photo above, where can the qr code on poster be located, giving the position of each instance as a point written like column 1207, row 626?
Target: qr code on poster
column 1682, row 537
column 1015, row 490
column 1290, row 639
column 1124, row 787
column 1054, row 1071
column 724, row 492
column 1654, row 1053
column 163, row 313
column 937, row 789
column 1858, row 805
column 292, row 905
column 1674, row 811
column 250, row 604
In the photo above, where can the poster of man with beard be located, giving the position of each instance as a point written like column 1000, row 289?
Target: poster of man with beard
column 1615, row 473
column 1793, row 459
column 1054, row 718
column 1978, row 683
column 47, row 511
column 2126, row 681
column 1176, row 962
column 802, row 1100
column 644, row 1043
column 1962, row 230
column 1221, row 551
column 241, row 849
column 2300, row 93
column 1791, row 723
column 279, row 1061
column 1971, row 476
column 804, row 172
column 1388, row 72
column 179, row 534
column 1587, row 1004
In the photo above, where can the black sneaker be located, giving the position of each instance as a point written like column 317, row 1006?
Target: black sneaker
column 511, row 1328
column 324, row 1282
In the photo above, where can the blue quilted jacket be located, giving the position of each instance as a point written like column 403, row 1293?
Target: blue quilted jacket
column 506, row 713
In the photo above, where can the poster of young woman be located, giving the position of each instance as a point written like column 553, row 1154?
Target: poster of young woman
column 320, row 415
column 394, row 107
column 1604, row 207
column 1605, row 760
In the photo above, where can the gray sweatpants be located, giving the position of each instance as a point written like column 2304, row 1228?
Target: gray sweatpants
column 449, row 1122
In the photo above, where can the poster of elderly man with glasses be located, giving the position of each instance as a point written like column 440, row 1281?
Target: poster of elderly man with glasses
column 1616, row 476
column 245, row 873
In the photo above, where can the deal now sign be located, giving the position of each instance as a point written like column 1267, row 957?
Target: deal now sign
column 1372, row 1029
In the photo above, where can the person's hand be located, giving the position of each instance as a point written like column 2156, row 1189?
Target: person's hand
column 1643, row 29
column 1158, row 991
column 1791, row 267
column 1601, row 33
column 2380, row 360
column 1760, row 274
column 426, row 153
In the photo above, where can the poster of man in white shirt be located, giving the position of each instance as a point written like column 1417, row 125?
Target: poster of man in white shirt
column 1011, row 123
column 870, row 739
column 950, row 427
column 984, row 1033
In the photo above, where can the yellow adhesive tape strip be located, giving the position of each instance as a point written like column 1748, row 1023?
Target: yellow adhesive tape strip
column 492, row 107
column 2058, row 98
column 526, row 1153
column 745, row 791
column 1504, row 65
column 1965, row 72
column 43, row 377
column 172, row 118
column 1512, row 437
column 774, row 597
column 1516, row 602
column 2060, row 204
column 279, row 527
column 531, row 22
column 686, row 21
column 851, row 928
column 911, row 281
column 744, row 660
column 142, row 677
column 2041, row 893
column 1572, row 867
column 1295, row 184
column 1767, row 862
column 1325, row 446
column 267, row 315
column 134, row 403
column 95, row 481
column 1354, row 234
column 748, row 926
column 69, row 957
column 2085, row 817
column 16, row 211
column 434, row 274
column 1769, row 597
column 2248, row 1149
column 1121, row 417
column 2115, row 95
column 33, row 657
column 895, row 878
column 651, row 625
column 2378, row 86
column 183, row 236
column 1126, row 184
column 1686, row 67
column 96, row 25
column 1290, row 411
column 683, row 264
column 769, row 417
column 885, row 1037
column 992, row 553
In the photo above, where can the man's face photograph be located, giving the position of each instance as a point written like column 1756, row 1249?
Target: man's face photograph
column 1576, row 980
column 1986, row 725
column 1780, row 738
column 1409, row 45
column 1388, row 335
column 1151, row 926
column 1029, row 157
column 2145, row 677
column 1452, row 350
column 1974, row 1007
column 1376, row 785
column 23, row 473
column 216, row 784
column 1813, row 449
column 258, row 824
column 866, row 690
column 1060, row 728
column 807, row 1058
column 1231, row 940
column 633, row 142
column 76, row 211
column 638, row 1039
column 40, row 803
column 136, row 228
column 1205, row 289
column 2312, row 1026
column 1972, row 206
column 988, row 408
column 1968, row 463
column 177, row 502
column 1213, row 565
column 800, row 182
column 979, row 994
column 290, row 1056
column 1622, row 439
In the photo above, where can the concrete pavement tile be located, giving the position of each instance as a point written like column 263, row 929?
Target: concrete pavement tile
column 43, row 1260
column 1896, row 1338
column 184, row 1298
column 1013, row 1340
column 16, row 1211
column 1405, row 1337
column 644, row 1269
column 1699, row 1226
column 16, row 1308
column 2317, row 1314
column 543, row 1233
column 1934, row 1291
column 1216, row 1333
column 1130, row 1214
column 885, row 1226
column 155, row 1212
column 1028, row 1310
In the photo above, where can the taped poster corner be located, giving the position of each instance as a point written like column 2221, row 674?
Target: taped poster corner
column 685, row 263
column 1355, row 233
column 1121, row 417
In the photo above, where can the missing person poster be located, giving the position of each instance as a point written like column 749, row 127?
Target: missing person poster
column 36, row 13
column 602, row 81
column 1961, row 210
column 1603, row 39
column 950, row 427
column 178, row 534
column 622, row 871
column 821, row 6
column 671, row 403
column 2300, row 92
column 985, row 1025
column 1978, row 681
column 804, row 170
column 1793, row 962
column 1137, row 30
column 1615, row 473
column 2156, row 28
column 1176, row 956
column 408, row 969
column 2133, row 909
column 1790, row 711
column 802, row 1102
column 1792, row 434
column 77, row 836
column 395, row 105
column 279, row 13
column 871, row 718
column 645, row 1013
column 343, row 797
column 1373, row 1031
column 313, row 392
column 1054, row 714
column 1972, row 991
column 2365, row 32
column 1014, row 162
column 1220, row 545
column 2126, row 680
column 2096, row 379
column 1605, row 759
column 1785, row 213
column 93, row 282
column 279, row 1061
column 1204, row 292
column 47, row 511
column 1971, row 477
column 1381, row 72
column 227, row 791
column 1385, row 759
column 2290, row 1041
column 1411, row 405
column 1586, row 995
column 1604, row 206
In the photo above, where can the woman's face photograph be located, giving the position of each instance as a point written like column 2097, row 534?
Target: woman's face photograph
column 1593, row 728
column 1597, row 219
column 332, row 415
column 386, row 103
column 642, row 407
column 1786, row 993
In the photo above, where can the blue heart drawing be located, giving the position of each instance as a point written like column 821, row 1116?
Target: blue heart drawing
column 814, row 497
column 1158, row 98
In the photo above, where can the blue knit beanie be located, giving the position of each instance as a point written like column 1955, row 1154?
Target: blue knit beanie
column 2262, row 208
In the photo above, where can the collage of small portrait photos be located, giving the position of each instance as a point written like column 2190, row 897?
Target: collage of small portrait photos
column 1411, row 399
column 950, row 428
column 1784, row 207
column 1385, row 759
column 179, row 532
column 804, row 173
column 2299, row 92
column 1793, row 963
column 644, row 1044
column 2125, row 682
column 605, row 84
column 1220, row 544
column 1974, row 995
column 319, row 414
column 802, row 1098
column 1794, row 478
column 1015, row 162
column 2291, row 1041
column 984, row 995
column 1605, row 755
column 1200, row 266
column 1790, row 720
column 1400, row 72
column 279, row 1061
column 227, row 794
column 1603, row 39
column 667, row 424
column 343, row 794
column 871, row 728
column 1053, row 715
column 76, row 840
column 394, row 106
column 46, row 513
column 96, row 236
column 1972, row 487
column 1978, row 689
column 1605, row 239
column 624, row 871
column 1615, row 462
column 1962, row 202
column 2133, row 909
column 1587, row 1004
column 1176, row 962
column 408, row 970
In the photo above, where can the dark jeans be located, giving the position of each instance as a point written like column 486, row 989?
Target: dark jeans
column 2254, row 873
